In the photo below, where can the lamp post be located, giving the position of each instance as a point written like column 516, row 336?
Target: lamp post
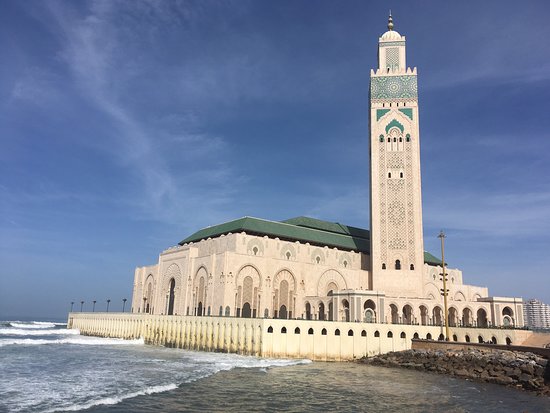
column 93, row 307
column 124, row 303
column 108, row 301
column 444, row 291
column 81, row 305
column 72, row 304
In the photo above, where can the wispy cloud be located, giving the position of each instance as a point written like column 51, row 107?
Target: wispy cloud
column 93, row 48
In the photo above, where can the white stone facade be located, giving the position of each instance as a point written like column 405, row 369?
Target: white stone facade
column 256, row 274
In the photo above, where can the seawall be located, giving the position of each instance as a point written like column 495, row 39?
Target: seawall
column 278, row 338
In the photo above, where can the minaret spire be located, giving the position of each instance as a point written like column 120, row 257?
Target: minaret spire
column 390, row 22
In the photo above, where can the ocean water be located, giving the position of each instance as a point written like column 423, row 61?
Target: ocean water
column 46, row 368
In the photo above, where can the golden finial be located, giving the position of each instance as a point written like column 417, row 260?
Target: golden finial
column 390, row 22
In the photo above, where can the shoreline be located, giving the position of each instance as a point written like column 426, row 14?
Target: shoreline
column 526, row 371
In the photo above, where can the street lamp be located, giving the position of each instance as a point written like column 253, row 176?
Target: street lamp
column 72, row 304
column 108, row 301
column 81, row 305
column 93, row 307
column 444, row 291
column 124, row 303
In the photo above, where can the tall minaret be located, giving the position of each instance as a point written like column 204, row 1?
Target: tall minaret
column 397, row 250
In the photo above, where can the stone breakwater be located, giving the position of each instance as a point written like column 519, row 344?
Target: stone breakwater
column 523, row 370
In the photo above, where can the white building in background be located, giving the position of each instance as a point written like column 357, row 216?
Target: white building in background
column 537, row 314
column 317, row 270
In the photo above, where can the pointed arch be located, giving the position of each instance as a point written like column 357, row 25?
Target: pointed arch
column 328, row 277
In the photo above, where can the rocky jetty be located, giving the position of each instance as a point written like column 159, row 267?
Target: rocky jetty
column 518, row 369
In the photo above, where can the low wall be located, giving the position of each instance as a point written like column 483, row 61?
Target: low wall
column 312, row 339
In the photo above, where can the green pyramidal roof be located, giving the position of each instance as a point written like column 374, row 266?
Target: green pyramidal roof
column 302, row 229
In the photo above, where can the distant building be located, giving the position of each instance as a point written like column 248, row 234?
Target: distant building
column 537, row 314
column 316, row 270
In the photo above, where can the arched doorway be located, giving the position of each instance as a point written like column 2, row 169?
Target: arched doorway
column 321, row 311
column 407, row 314
column 437, row 316
column 423, row 315
column 345, row 305
column 283, row 312
column 453, row 315
column 308, row 311
column 171, row 297
column 467, row 317
column 370, row 313
column 482, row 318
column 394, row 314
column 247, row 311
column 199, row 309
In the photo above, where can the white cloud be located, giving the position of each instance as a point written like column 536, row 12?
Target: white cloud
column 93, row 47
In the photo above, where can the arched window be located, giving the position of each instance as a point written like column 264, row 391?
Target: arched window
column 288, row 255
column 310, row 331
column 350, row 333
column 441, row 337
column 390, row 334
column 400, row 139
column 389, row 174
column 297, row 330
column 383, row 265
column 283, row 330
column 493, row 340
column 508, row 341
column 480, row 339
column 428, row 336
column 416, row 336
column 255, row 250
column 227, row 311
column 455, row 338
column 467, row 338
column 324, row 332
column 381, row 138
column 412, row 267
column 337, row 332
column 363, row 333
column 221, row 311
column 395, row 139
column 397, row 264
column 377, row 333
column 266, row 313
column 400, row 174
column 403, row 335
column 270, row 329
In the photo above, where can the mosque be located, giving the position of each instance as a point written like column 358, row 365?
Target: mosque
column 305, row 268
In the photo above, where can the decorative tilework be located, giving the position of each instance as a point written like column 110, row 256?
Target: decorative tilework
column 392, row 58
column 380, row 113
column 393, row 87
column 394, row 124
column 407, row 112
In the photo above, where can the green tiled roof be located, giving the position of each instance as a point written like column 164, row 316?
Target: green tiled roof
column 335, row 227
column 430, row 259
column 303, row 229
column 284, row 231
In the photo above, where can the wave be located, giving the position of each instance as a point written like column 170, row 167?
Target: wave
column 34, row 324
column 115, row 399
column 79, row 340
column 37, row 332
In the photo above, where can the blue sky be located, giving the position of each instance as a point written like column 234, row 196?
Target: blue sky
column 126, row 126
